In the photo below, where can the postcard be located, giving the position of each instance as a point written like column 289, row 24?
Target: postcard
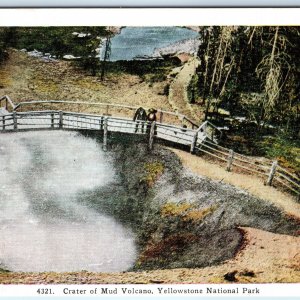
column 149, row 153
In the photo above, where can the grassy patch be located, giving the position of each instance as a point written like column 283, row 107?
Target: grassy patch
column 186, row 211
column 199, row 214
column 286, row 151
column 44, row 86
column 153, row 171
column 175, row 209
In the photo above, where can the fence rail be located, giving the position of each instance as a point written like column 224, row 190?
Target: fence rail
column 199, row 140
column 8, row 104
column 269, row 171
column 108, row 109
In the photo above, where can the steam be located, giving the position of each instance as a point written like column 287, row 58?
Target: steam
column 43, row 224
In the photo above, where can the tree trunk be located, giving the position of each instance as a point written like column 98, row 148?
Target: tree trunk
column 106, row 57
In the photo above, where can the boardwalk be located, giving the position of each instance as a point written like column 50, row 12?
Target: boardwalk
column 201, row 139
column 186, row 134
column 42, row 120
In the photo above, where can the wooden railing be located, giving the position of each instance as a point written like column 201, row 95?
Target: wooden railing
column 108, row 109
column 38, row 120
column 270, row 172
column 7, row 103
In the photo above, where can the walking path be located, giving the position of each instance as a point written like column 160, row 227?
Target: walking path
column 248, row 183
column 178, row 97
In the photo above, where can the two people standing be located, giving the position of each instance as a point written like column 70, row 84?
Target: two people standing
column 141, row 116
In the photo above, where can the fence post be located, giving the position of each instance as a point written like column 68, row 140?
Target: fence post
column 161, row 117
column 272, row 173
column 61, row 119
column 182, row 121
column 105, row 127
column 101, row 123
column 3, row 122
column 15, row 120
column 212, row 134
column 204, row 128
column 194, row 142
column 52, row 120
column 229, row 160
column 152, row 133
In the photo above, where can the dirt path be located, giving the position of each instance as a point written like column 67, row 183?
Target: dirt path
column 178, row 90
column 248, row 183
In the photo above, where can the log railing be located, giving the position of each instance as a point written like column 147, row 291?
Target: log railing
column 270, row 171
column 108, row 109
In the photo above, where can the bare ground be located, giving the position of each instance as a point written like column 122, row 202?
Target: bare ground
column 263, row 260
column 25, row 78
column 178, row 95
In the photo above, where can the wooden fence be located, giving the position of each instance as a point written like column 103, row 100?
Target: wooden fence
column 39, row 120
column 108, row 109
column 270, row 171
column 7, row 103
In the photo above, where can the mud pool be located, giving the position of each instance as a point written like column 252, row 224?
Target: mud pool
column 43, row 224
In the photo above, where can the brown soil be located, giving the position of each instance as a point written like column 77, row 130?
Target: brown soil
column 178, row 91
column 263, row 260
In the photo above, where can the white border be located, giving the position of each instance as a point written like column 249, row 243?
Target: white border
column 149, row 3
column 149, row 17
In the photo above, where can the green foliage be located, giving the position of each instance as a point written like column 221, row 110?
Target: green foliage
column 261, row 62
column 3, row 270
column 149, row 70
column 81, row 42
column 6, row 35
column 285, row 150
column 192, row 89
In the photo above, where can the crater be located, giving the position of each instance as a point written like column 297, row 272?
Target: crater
column 65, row 205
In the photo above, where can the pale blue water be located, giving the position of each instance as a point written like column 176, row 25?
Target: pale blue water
column 140, row 41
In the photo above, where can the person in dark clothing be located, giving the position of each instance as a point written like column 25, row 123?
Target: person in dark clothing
column 140, row 117
column 151, row 117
